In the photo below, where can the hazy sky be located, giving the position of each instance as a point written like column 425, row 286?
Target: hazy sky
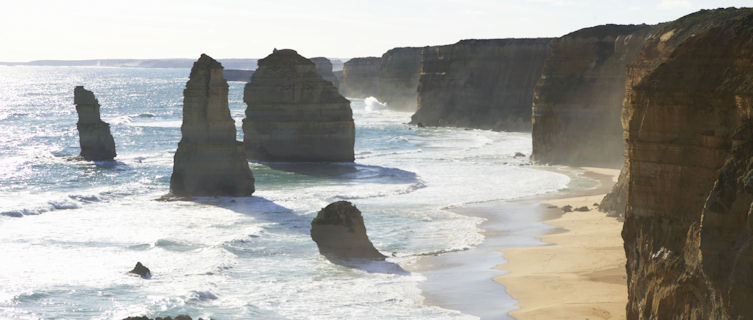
column 79, row 29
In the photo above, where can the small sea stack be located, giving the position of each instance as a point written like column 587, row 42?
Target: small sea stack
column 295, row 115
column 94, row 134
column 360, row 77
column 141, row 270
column 209, row 161
column 324, row 69
column 339, row 232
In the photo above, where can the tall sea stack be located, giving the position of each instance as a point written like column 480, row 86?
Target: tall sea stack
column 295, row 115
column 94, row 135
column 578, row 100
column 360, row 77
column 689, row 221
column 398, row 78
column 324, row 69
column 483, row 84
column 209, row 161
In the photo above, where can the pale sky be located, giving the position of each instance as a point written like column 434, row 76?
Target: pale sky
column 83, row 29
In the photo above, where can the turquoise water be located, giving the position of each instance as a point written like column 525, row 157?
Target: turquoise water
column 70, row 230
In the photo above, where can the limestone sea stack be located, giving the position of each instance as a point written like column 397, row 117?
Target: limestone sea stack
column 659, row 46
column 94, row 134
column 324, row 69
column 688, row 228
column 360, row 77
column 209, row 161
column 483, row 84
column 398, row 78
column 339, row 232
column 578, row 100
column 295, row 115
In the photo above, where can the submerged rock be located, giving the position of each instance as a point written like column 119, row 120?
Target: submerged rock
column 96, row 141
column 339, row 232
column 360, row 77
column 209, row 160
column 141, row 270
column 295, row 115
column 324, row 69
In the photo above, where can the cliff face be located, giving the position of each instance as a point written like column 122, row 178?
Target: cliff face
column 689, row 224
column 295, row 115
column 398, row 78
column 324, row 69
column 94, row 135
column 209, row 160
column 578, row 100
column 360, row 77
column 484, row 84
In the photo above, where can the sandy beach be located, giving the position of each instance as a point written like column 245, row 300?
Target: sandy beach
column 579, row 274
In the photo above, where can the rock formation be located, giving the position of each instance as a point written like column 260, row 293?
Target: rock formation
column 209, row 160
column 398, row 78
column 295, row 115
column 324, row 69
column 484, row 84
column 94, row 135
column 141, row 270
column 689, row 224
column 237, row 75
column 578, row 100
column 360, row 77
column 339, row 232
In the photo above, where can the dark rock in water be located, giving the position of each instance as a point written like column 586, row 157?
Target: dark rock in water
column 237, row 75
column 360, row 77
column 179, row 317
column 339, row 232
column 209, row 161
column 519, row 155
column 324, row 69
column 567, row 208
column 420, row 124
column 96, row 141
column 141, row 270
column 582, row 209
column 295, row 115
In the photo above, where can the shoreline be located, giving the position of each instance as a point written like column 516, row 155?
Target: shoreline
column 473, row 281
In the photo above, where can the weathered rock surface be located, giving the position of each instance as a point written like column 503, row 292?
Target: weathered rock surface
column 360, row 77
column 484, row 84
column 94, row 134
column 398, row 78
column 295, row 115
column 237, row 75
column 141, row 270
column 578, row 100
column 324, row 69
column 209, row 161
column 689, row 224
column 339, row 232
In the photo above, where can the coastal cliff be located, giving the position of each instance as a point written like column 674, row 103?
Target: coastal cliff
column 209, row 161
column 324, row 69
column 360, row 77
column 483, row 84
column 94, row 134
column 295, row 115
column 398, row 78
column 578, row 100
column 688, row 228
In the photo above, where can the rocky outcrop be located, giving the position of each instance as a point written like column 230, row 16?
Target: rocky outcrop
column 141, row 270
column 398, row 78
column 484, row 84
column 237, row 75
column 689, row 224
column 94, row 135
column 295, row 115
column 324, row 69
column 209, row 161
column 339, row 232
column 360, row 77
column 578, row 100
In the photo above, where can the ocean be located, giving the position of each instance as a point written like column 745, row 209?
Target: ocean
column 71, row 230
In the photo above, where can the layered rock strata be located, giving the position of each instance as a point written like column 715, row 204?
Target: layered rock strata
column 339, row 232
column 209, row 161
column 398, row 78
column 578, row 100
column 295, row 115
column 484, row 84
column 324, row 69
column 360, row 77
column 688, row 228
column 94, row 134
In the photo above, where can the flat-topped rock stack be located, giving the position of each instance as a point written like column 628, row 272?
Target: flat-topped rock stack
column 94, row 134
column 295, row 115
column 209, row 160
column 324, row 69
column 360, row 77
